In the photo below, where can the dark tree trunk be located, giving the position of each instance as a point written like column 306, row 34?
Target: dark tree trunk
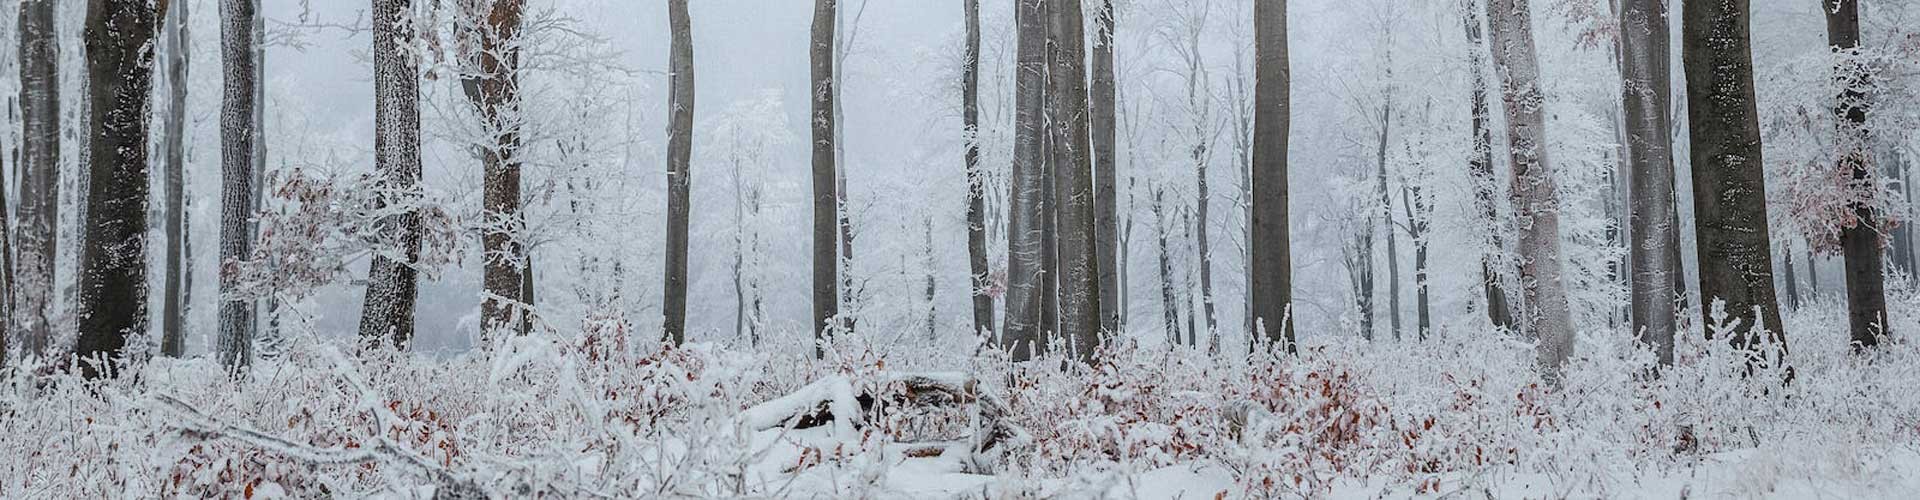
column 392, row 283
column 1272, row 265
column 1860, row 242
column 1645, row 85
column 113, row 284
column 1729, row 177
column 1169, row 301
column 679, row 170
column 1025, row 223
column 1419, row 217
column 492, row 86
column 976, row 180
column 173, row 309
column 1485, row 183
column 1793, row 287
column 39, row 166
column 1386, row 219
column 826, row 261
column 1106, row 200
column 1079, row 273
column 235, row 344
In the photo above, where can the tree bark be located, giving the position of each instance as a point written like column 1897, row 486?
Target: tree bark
column 1025, row 227
column 1793, row 287
column 1729, row 176
column 235, row 344
column 976, row 180
column 1480, row 167
column 493, row 87
column 1169, row 301
column 1079, row 272
column 679, row 170
column 1272, row 254
column 173, row 309
column 1860, row 242
column 1536, row 204
column 392, row 282
column 1106, row 203
column 826, row 261
column 113, row 284
column 39, row 166
column 1386, row 218
column 1646, row 82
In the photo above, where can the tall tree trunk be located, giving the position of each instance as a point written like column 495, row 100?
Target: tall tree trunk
column 6, row 258
column 1079, row 270
column 173, row 309
column 1536, row 204
column 1729, row 176
column 1645, row 83
column 1480, row 167
column 933, row 308
column 1386, row 219
column 39, row 167
column 1025, row 224
column 826, row 260
column 1106, row 201
column 976, row 179
column 493, row 88
column 1169, row 301
column 1419, row 216
column 1813, row 274
column 113, row 286
column 679, row 173
column 1272, row 253
column 1860, row 242
column 392, row 282
column 235, row 344
column 258, row 126
column 1197, row 95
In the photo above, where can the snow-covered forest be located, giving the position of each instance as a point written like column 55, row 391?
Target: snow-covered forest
column 959, row 249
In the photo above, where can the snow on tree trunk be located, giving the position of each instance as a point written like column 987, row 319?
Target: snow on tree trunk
column 1536, row 204
column 113, row 281
column 1860, row 241
column 1272, row 254
column 1645, row 84
column 235, row 341
column 976, row 179
column 492, row 85
column 392, row 281
column 1078, row 265
column 173, row 309
column 1729, row 176
column 1106, row 202
column 39, row 170
column 1025, row 227
column 679, row 169
column 826, row 261
column 1169, row 302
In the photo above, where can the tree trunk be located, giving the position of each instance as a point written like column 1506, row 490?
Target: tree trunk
column 933, row 308
column 258, row 126
column 39, row 166
column 1386, row 219
column 1860, row 242
column 976, row 180
column 1536, row 204
column 1169, row 302
column 113, row 286
column 392, row 283
column 1025, row 224
column 1645, row 84
column 1485, row 183
column 1272, row 254
column 173, row 309
column 235, row 344
column 1079, row 272
column 1106, row 225
column 493, row 87
column 679, row 174
column 1729, row 176
column 826, row 261
column 1793, row 287
column 1419, row 213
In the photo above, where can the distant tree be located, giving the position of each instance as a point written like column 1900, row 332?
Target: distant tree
column 1861, row 240
column 1546, row 313
column 1480, row 167
column 392, row 281
column 39, row 167
column 679, row 174
column 113, row 284
column 1272, row 251
column 826, row 262
column 976, row 179
column 1729, row 176
column 173, row 312
column 236, row 333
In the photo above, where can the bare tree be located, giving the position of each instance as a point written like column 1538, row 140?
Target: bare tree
column 1272, row 265
column 976, row 180
column 39, row 167
column 235, row 342
column 1729, row 177
column 1536, row 204
column 1480, row 166
column 173, row 308
column 1169, row 301
column 113, row 284
column 392, row 282
column 679, row 173
column 1646, row 81
column 1860, row 242
column 1106, row 226
column 491, row 32
column 826, row 262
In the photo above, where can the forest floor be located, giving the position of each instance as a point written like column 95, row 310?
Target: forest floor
column 603, row 410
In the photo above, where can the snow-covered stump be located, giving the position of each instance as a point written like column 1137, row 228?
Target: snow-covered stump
column 830, row 400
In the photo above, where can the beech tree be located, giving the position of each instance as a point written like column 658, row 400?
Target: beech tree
column 1545, row 312
column 976, row 179
column 492, row 84
column 113, row 279
column 679, row 161
column 1079, row 274
column 1860, row 241
column 1480, row 167
column 1024, row 224
column 39, row 166
column 177, row 282
column 826, row 261
column 1645, row 84
column 1103, row 97
column 392, row 281
column 1272, row 255
column 235, row 341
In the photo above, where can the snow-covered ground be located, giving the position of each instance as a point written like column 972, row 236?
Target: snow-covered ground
column 602, row 410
